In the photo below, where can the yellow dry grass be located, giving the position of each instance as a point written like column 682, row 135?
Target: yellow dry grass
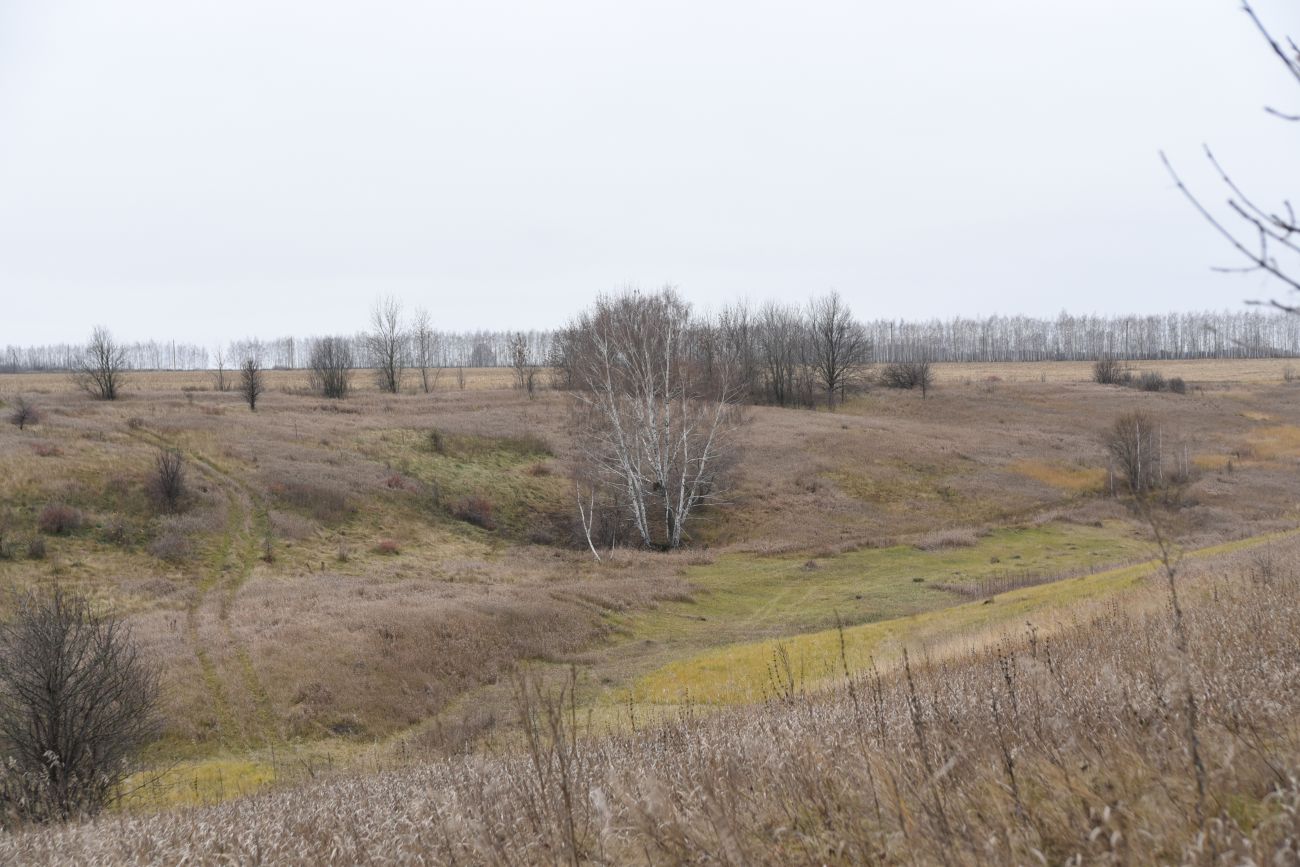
column 1276, row 442
column 1075, row 478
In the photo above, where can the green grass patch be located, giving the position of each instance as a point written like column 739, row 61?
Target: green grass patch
column 743, row 597
column 508, row 474
column 751, row 671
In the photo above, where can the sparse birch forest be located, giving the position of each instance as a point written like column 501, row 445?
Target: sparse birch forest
column 773, row 583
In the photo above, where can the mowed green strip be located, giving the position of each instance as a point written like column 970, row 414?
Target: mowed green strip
column 752, row 671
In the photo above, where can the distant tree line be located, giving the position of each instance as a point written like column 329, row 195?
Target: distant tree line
column 1228, row 334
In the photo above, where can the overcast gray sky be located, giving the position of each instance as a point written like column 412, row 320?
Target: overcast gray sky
column 210, row 170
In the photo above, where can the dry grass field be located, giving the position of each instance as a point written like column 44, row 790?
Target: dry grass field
column 348, row 602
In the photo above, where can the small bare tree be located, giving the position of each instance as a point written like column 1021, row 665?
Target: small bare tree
column 425, row 350
column 168, row 481
column 252, row 380
column 1135, row 445
column 523, row 365
column 23, row 413
column 219, row 374
column 100, row 369
column 77, row 703
column 839, row 349
column 654, row 432
column 330, row 366
column 387, row 344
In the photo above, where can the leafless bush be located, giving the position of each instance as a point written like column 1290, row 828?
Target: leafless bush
column 524, row 366
column 330, row 366
column 171, row 546
column 476, row 509
column 59, row 518
column 1150, row 380
column 908, row 375
column 36, row 548
column 428, row 353
column 168, row 482
column 1110, row 371
column 77, row 703
column 940, row 539
column 100, row 370
column 23, row 413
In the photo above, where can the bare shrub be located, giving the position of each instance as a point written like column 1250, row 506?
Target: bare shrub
column 330, row 367
column 23, row 413
column 476, row 509
column 908, row 375
column 8, row 529
column 59, row 518
column 171, row 546
column 36, row 548
column 1108, row 370
column 100, row 369
column 1150, row 380
column 437, row 441
column 167, row 485
column 937, row 540
column 116, row 531
column 77, row 703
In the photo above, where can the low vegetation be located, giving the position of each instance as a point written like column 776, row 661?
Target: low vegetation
column 343, row 584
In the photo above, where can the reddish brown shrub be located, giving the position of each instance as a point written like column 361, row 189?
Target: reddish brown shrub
column 58, row 518
column 387, row 547
column 476, row 509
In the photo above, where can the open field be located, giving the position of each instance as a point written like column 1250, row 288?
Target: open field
column 358, row 583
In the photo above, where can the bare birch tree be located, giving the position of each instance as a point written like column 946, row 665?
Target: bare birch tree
column 655, row 436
